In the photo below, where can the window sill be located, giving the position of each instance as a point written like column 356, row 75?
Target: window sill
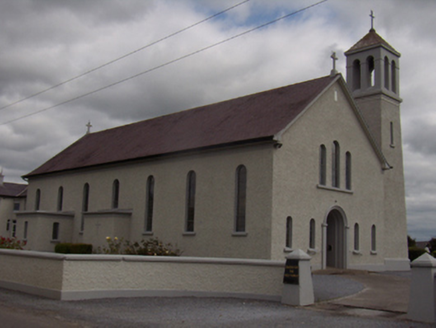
column 356, row 252
column 287, row 250
column 347, row 191
column 392, row 145
column 189, row 233
column 373, row 252
column 312, row 251
column 148, row 233
column 55, row 241
column 239, row 234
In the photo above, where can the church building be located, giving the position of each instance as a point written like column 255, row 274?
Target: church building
column 315, row 166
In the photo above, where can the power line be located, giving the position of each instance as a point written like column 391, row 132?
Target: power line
column 165, row 64
column 124, row 56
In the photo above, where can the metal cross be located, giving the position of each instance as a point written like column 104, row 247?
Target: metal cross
column 372, row 19
column 334, row 58
column 89, row 126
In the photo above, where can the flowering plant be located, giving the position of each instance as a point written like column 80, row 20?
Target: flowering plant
column 11, row 243
column 152, row 246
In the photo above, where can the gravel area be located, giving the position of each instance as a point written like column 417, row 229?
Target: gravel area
column 30, row 311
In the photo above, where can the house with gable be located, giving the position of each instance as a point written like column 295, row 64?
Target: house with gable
column 315, row 165
column 12, row 199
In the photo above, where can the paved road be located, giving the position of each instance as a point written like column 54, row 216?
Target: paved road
column 21, row 310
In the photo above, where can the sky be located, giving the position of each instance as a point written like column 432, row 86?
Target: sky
column 45, row 43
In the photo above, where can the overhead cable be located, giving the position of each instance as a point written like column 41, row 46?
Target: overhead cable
column 165, row 64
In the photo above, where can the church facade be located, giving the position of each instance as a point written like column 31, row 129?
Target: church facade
column 315, row 165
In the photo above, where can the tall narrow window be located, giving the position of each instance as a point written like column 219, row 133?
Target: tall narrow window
column 391, row 127
column 322, row 165
column 336, row 165
column 115, row 194
column 370, row 67
column 241, row 198
column 356, row 237
column 26, row 224
column 37, row 199
column 393, row 77
column 55, row 231
column 348, row 170
column 312, row 234
column 289, row 232
column 14, row 228
column 60, row 198
column 85, row 205
column 373, row 238
column 386, row 70
column 149, row 204
column 190, row 201
column 356, row 75
column 8, row 225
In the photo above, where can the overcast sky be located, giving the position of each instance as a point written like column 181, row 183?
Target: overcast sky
column 46, row 42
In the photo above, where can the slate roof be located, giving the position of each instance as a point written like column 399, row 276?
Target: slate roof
column 8, row 189
column 250, row 118
column 370, row 40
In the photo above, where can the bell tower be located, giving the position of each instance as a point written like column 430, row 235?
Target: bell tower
column 373, row 78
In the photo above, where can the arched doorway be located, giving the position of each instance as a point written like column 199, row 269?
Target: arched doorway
column 336, row 240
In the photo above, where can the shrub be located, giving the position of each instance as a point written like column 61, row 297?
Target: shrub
column 415, row 252
column 152, row 246
column 11, row 243
column 69, row 248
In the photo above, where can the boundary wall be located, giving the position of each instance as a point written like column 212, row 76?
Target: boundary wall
column 77, row 277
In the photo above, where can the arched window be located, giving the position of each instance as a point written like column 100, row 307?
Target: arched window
column 370, row 68
column 115, row 194
column 312, row 234
column 322, row 165
column 356, row 237
column 386, row 70
column 289, row 232
column 336, row 165
column 149, row 204
column 55, row 231
column 190, row 201
column 37, row 199
column 26, row 225
column 391, row 125
column 241, row 198
column 85, row 204
column 394, row 77
column 356, row 75
column 60, row 198
column 373, row 238
column 348, row 170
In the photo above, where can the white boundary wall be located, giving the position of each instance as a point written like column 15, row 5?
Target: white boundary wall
column 75, row 277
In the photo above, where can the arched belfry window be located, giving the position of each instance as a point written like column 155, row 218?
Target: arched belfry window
column 348, row 170
column 37, row 199
column 386, row 70
column 356, row 74
column 322, row 165
column 149, row 204
column 394, row 77
column 241, row 198
column 336, row 165
column 190, row 201
column 60, row 198
column 115, row 194
column 370, row 71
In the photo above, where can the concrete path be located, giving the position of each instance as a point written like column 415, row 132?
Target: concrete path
column 384, row 294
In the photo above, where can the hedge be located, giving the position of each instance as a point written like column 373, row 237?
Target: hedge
column 69, row 248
